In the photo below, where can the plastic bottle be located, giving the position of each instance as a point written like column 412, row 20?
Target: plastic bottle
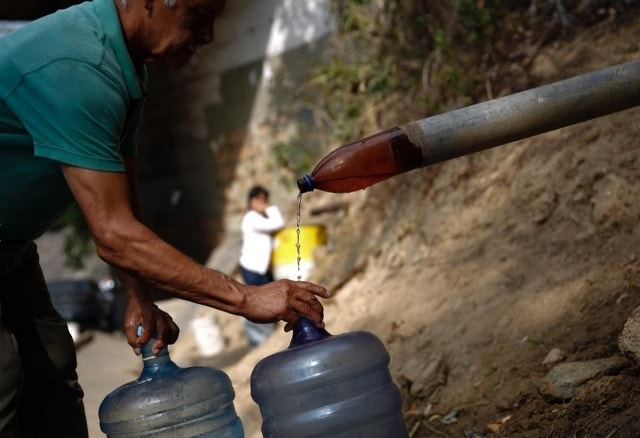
column 474, row 128
column 327, row 386
column 169, row 401
column 362, row 163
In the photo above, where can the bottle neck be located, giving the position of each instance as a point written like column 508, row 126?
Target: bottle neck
column 156, row 365
column 305, row 332
column 305, row 184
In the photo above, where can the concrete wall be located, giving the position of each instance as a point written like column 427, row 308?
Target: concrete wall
column 210, row 128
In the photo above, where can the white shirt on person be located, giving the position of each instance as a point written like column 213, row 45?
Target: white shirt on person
column 257, row 238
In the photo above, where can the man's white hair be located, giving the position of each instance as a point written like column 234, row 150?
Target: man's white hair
column 170, row 3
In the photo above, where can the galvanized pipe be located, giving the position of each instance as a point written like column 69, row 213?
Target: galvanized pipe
column 525, row 114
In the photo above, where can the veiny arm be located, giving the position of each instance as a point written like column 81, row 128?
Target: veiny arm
column 123, row 241
column 141, row 309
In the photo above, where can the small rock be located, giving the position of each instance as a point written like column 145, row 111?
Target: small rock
column 629, row 340
column 554, row 356
column 424, row 377
column 543, row 206
column 544, row 67
column 612, row 195
column 566, row 379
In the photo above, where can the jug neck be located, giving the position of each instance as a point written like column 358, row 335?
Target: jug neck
column 155, row 365
column 306, row 332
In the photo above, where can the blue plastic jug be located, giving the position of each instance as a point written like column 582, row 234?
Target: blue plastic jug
column 169, row 401
column 326, row 386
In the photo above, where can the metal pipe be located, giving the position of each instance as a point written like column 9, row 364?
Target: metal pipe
column 525, row 114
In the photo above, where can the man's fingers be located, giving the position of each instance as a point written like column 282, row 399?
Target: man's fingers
column 306, row 304
column 310, row 309
column 313, row 288
column 312, row 303
column 167, row 329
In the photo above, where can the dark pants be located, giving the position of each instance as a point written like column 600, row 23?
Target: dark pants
column 256, row 333
column 40, row 394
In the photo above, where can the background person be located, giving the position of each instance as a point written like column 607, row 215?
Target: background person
column 259, row 223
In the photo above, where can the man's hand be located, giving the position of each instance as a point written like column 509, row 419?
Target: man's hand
column 285, row 300
column 155, row 322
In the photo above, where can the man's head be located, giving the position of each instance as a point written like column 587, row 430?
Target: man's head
column 168, row 31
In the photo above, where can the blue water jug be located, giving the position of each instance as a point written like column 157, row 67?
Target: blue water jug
column 326, row 386
column 169, row 401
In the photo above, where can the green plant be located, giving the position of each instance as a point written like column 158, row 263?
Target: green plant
column 478, row 18
column 386, row 49
column 295, row 156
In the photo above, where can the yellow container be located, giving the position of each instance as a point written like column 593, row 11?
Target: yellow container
column 284, row 259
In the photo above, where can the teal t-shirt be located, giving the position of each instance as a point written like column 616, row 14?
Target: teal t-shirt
column 69, row 93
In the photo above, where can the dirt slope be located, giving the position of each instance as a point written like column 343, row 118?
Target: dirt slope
column 482, row 265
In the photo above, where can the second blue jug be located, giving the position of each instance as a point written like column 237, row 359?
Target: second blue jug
column 167, row 401
column 326, row 386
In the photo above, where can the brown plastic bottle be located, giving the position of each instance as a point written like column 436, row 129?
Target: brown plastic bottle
column 475, row 128
column 362, row 163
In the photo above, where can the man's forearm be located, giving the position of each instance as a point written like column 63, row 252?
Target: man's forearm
column 144, row 258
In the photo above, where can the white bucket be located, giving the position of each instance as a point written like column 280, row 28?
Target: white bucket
column 208, row 336
column 74, row 330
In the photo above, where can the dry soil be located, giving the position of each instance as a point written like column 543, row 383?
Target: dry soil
column 478, row 267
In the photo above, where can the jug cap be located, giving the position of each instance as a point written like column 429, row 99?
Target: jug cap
column 306, row 332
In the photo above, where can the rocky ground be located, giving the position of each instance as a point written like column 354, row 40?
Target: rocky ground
column 500, row 282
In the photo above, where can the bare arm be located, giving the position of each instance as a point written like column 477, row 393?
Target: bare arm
column 123, row 241
column 141, row 309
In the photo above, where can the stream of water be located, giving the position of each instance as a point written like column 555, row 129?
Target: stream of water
column 298, row 234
